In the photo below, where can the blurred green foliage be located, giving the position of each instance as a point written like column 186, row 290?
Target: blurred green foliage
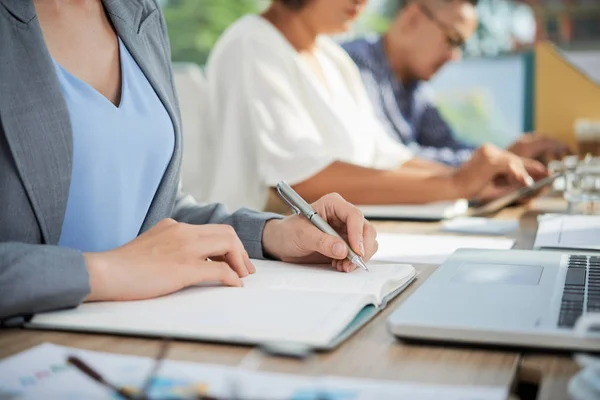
column 195, row 25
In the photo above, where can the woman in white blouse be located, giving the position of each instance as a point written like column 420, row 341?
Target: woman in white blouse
column 287, row 103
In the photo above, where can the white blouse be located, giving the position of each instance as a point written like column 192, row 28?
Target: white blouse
column 272, row 119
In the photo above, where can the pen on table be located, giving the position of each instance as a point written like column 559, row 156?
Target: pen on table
column 301, row 207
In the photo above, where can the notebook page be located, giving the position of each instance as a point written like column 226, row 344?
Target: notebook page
column 381, row 279
column 220, row 314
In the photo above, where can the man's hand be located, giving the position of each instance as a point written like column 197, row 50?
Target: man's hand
column 295, row 239
column 167, row 258
column 539, row 148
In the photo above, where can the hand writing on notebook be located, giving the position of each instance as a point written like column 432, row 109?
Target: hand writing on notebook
column 172, row 255
column 295, row 239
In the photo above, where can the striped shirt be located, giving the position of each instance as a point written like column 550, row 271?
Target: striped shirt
column 407, row 111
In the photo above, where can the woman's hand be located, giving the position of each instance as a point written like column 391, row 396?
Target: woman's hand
column 167, row 258
column 492, row 170
column 295, row 239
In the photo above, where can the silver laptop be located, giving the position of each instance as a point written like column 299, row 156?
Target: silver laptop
column 504, row 297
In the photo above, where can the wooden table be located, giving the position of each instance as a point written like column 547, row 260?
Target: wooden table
column 372, row 352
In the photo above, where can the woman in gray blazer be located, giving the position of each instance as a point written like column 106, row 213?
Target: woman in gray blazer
column 90, row 150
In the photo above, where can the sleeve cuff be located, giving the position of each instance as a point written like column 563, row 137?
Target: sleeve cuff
column 249, row 225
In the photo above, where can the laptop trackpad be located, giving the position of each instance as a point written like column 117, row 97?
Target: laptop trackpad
column 498, row 274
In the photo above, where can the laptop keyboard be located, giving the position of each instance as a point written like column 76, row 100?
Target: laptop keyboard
column 582, row 289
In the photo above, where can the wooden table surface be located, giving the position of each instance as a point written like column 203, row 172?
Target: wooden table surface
column 372, row 352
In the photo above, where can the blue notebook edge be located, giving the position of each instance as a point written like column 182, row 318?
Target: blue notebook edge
column 365, row 316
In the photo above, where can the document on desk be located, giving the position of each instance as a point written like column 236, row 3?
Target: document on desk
column 312, row 306
column 577, row 232
column 431, row 249
column 429, row 212
column 42, row 373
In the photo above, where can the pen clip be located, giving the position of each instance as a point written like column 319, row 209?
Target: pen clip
column 282, row 195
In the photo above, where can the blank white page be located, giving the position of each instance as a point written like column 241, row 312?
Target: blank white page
column 431, row 249
column 220, row 314
column 282, row 276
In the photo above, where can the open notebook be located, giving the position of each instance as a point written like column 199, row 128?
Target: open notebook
column 282, row 304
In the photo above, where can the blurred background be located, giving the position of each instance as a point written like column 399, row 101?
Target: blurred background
column 502, row 89
column 506, row 26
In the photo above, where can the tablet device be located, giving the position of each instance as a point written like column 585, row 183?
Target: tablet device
column 498, row 204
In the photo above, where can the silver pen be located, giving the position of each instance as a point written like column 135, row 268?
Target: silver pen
column 300, row 206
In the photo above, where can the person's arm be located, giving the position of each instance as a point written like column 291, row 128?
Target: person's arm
column 247, row 224
column 419, row 185
column 428, row 165
column 37, row 278
column 365, row 186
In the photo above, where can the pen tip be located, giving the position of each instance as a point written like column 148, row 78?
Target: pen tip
column 362, row 264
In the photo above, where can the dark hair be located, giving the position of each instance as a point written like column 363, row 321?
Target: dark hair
column 294, row 4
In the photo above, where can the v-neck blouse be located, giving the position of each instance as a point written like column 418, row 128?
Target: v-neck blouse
column 120, row 155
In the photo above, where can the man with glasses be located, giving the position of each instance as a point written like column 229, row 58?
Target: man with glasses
column 423, row 37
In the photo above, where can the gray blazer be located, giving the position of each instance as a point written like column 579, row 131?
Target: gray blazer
column 36, row 160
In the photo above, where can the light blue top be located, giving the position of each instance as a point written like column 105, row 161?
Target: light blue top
column 120, row 155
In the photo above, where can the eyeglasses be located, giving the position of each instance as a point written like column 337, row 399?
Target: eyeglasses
column 453, row 37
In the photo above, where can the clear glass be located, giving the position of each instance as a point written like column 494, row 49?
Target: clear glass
column 582, row 189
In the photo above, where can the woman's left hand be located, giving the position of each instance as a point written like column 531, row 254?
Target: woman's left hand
column 295, row 239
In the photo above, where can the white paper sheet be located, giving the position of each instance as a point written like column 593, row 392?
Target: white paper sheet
column 480, row 226
column 568, row 232
column 430, row 211
column 41, row 373
column 431, row 249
